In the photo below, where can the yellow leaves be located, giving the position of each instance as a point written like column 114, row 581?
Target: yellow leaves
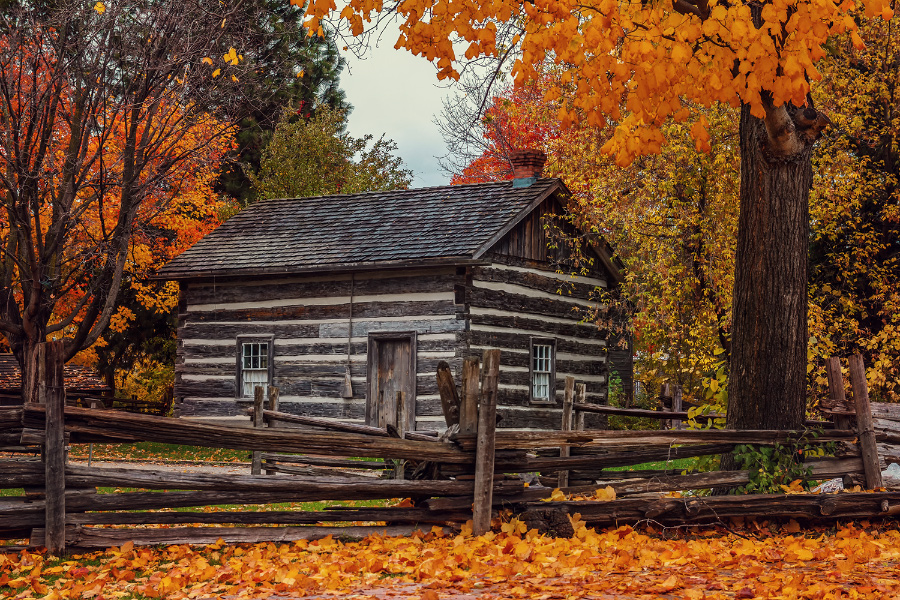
column 216, row 73
column 119, row 321
column 100, row 8
column 605, row 494
column 206, row 60
column 595, row 563
column 557, row 495
column 514, row 526
column 795, row 487
column 231, row 57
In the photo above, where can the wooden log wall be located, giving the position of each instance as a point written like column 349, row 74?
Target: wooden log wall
column 307, row 319
column 513, row 301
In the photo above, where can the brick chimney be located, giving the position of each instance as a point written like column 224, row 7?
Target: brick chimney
column 528, row 164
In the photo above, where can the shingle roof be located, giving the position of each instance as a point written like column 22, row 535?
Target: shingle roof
column 344, row 231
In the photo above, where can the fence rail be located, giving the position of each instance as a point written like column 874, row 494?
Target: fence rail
column 466, row 473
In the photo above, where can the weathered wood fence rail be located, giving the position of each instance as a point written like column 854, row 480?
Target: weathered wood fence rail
column 465, row 473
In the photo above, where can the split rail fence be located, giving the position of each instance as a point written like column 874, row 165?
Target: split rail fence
column 471, row 471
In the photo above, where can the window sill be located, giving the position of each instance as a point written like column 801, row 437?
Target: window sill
column 543, row 403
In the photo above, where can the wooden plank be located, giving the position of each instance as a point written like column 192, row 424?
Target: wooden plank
column 519, row 339
column 322, row 461
column 338, row 514
column 361, row 311
column 114, row 424
column 10, row 417
column 484, row 456
column 864, row 424
column 626, row 456
column 716, row 509
column 322, row 488
column 449, row 395
column 335, row 286
column 511, row 440
column 535, row 280
column 370, row 489
column 580, row 400
column 468, row 412
column 93, row 538
column 836, row 393
column 53, row 395
column 567, row 413
column 273, row 401
column 324, row 423
column 886, row 410
column 642, row 413
column 529, row 306
column 21, row 473
column 676, row 407
column 513, row 320
column 258, row 422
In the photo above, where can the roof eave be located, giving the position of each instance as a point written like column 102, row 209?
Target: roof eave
column 337, row 268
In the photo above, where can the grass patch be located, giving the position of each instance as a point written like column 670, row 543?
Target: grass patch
column 678, row 464
column 154, row 452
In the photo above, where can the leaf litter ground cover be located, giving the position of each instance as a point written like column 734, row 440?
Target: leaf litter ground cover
column 858, row 561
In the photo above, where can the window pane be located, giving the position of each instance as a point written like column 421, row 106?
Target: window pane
column 541, row 369
column 254, row 367
column 541, row 386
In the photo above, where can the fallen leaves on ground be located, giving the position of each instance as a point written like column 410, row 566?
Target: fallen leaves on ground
column 849, row 562
column 156, row 453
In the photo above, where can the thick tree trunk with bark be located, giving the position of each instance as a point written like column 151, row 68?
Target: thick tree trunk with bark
column 767, row 387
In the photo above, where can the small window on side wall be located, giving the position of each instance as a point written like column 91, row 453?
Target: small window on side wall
column 254, row 366
column 542, row 370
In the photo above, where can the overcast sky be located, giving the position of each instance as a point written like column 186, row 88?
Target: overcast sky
column 397, row 94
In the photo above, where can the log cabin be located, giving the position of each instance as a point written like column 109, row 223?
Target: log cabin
column 348, row 303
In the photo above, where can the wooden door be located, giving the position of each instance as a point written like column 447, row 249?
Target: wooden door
column 392, row 381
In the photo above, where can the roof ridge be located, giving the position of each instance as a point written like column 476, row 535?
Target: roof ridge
column 400, row 190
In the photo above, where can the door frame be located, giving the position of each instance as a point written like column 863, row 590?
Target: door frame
column 372, row 356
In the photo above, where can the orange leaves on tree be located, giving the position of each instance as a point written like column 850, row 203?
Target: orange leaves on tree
column 635, row 54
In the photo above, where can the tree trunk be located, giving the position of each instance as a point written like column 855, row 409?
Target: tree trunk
column 33, row 368
column 767, row 388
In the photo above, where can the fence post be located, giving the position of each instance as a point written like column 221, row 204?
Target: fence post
column 402, row 418
column 676, row 407
column 864, row 425
column 449, row 395
column 567, row 408
column 836, row 391
column 258, row 393
column 663, row 394
column 468, row 410
column 274, row 396
column 484, row 452
column 53, row 395
column 580, row 398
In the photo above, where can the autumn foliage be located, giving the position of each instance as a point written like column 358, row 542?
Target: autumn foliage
column 630, row 62
column 620, row 563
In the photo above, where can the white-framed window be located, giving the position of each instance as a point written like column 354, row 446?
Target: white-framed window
column 543, row 370
column 255, row 366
